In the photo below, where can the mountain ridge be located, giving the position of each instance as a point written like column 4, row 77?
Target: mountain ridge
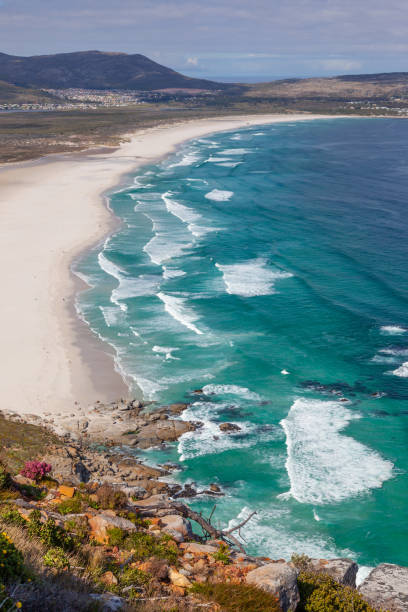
column 96, row 70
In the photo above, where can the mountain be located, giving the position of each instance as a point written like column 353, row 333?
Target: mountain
column 96, row 70
column 347, row 87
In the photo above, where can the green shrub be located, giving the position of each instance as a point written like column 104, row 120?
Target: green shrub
column 111, row 498
column 33, row 492
column 11, row 560
column 147, row 545
column 133, row 576
column 57, row 559
column 5, row 479
column 223, row 554
column 237, row 597
column 321, row 593
column 12, row 517
column 49, row 533
column 116, row 536
column 70, row 506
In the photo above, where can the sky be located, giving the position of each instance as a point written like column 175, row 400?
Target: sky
column 235, row 39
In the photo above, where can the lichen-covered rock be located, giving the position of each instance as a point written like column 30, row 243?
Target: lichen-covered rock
column 343, row 571
column 280, row 579
column 198, row 549
column 387, row 587
column 178, row 580
column 176, row 526
column 101, row 523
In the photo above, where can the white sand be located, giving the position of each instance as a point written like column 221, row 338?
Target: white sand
column 50, row 211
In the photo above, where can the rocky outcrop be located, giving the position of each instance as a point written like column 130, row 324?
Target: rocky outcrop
column 343, row 571
column 280, row 579
column 101, row 523
column 122, row 422
column 387, row 588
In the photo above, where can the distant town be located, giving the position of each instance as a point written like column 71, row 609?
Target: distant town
column 85, row 99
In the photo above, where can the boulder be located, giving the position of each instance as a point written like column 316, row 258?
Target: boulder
column 387, row 587
column 280, row 579
column 199, row 549
column 66, row 491
column 176, row 526
column 101, row 523
column 109, row 578
column 343, row 571
column 178, row 580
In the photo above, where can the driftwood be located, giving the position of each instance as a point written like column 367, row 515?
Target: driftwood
column 209, row 530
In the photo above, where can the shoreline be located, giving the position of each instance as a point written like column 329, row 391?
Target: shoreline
column 52, row 214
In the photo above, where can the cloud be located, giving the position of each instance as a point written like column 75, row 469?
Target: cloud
column 336, row 65
column 269, row 36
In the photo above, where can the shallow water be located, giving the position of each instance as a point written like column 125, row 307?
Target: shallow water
column 267, row 267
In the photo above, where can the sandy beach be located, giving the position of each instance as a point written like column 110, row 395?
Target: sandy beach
column 52, row 210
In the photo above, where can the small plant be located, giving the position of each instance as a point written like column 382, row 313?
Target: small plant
column 70, row 506
column 133, row 576
column 321, row 593
column 35, row 470
column 13, row 517
column 56, row 559
column 116, row 536
column 5, row 479
column 111, row 498
column 78, row 526
column 237, row 597
column 11, row 560
column 301, row 562
column 223, row 554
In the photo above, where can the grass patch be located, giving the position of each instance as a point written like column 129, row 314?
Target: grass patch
column 20, row 442
column 237, row 597
column 146, row 545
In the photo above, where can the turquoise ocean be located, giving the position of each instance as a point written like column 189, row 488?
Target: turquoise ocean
column 267, row 268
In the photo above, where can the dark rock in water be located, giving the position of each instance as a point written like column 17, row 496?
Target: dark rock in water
column 229, row 427
column 178, row 408
column 338, row 388
column 343, row 571
column 172, row 466
column 387, row 587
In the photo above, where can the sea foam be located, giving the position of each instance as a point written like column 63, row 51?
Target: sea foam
column 218, row 195
column 185, row 214
column 251, row 278
column 243, row 392
column 324, row 465
column 392, row 330
column 402, row 371
column 127, row 287
column 177, row 308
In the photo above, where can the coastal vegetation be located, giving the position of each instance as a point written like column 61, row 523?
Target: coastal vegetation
column 92, row 546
